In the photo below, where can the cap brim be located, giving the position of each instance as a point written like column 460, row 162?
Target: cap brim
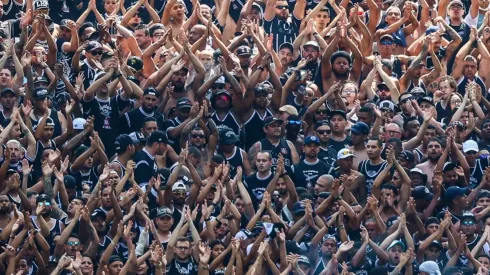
column 471, row 149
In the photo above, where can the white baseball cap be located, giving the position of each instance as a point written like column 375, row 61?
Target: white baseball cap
column 79, row 123
column 470, row 145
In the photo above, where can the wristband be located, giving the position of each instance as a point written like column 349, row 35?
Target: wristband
column 205, row 266
column 338, row 198
column 260, row 68
column 207, row 220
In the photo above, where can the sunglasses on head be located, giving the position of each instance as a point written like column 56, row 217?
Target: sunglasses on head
column 197, row 136
column 387, row 42
column 282, row 7
column 96, row 52
column 323, row 132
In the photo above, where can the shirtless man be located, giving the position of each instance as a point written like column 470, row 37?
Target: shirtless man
column 359, row 134
column 434, row 152
column 339, row 66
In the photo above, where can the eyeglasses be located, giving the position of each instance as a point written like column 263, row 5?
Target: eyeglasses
column 197, row 136
column 73, row 243
column 96, row 52
column 182, row 247
column 282, row 7
column 218, row 86
column 324, row 132
column 297, row 122
column 321, row 112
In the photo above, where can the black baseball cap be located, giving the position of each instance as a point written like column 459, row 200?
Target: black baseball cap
column 159, row 136
column 150, row 91
column 136, row 63
column 41, row 93
column 42, row 198
column 244, row 50
column 339, row 113
column 183, row 103
column 69, row 181
column 270, row 120
column 8, row 90
column 287, row 45
column 227, row 136
column 98, row 213
column 122, row 142
column 93, row 45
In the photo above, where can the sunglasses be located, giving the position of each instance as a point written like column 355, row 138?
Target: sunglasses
column 47, row 203
column 321, row 112
column 197, row 136
column 282, row 7
column 324, row 132
column 297, row 122
column 468, row 223
column 218, row 86
column 179, row 193
column 405, row 100
column 222, row 97
column 96, row 52
column 73, row 243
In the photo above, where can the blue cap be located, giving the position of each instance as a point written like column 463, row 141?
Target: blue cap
column 298, row 208
column 360, row 128
column 431, row 29
column 312, row 139
column 454, row 192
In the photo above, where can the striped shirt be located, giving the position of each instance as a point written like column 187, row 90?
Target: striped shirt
column 282, row 30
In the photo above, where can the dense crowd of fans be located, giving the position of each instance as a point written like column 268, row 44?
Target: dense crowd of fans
column 244, row 137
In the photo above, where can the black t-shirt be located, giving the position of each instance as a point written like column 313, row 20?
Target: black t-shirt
column 339, row 145
column 145, row 167
column 107, row 120
column 306, row 174
column 256, row 187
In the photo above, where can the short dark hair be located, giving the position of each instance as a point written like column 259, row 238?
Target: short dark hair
column 391, row 187
column 194, row 151
column 182, row 239
column 397, row 141
column 143, row 27
column 218, row 159
column 365, row 109
column 154, row 28
column 378, row 141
